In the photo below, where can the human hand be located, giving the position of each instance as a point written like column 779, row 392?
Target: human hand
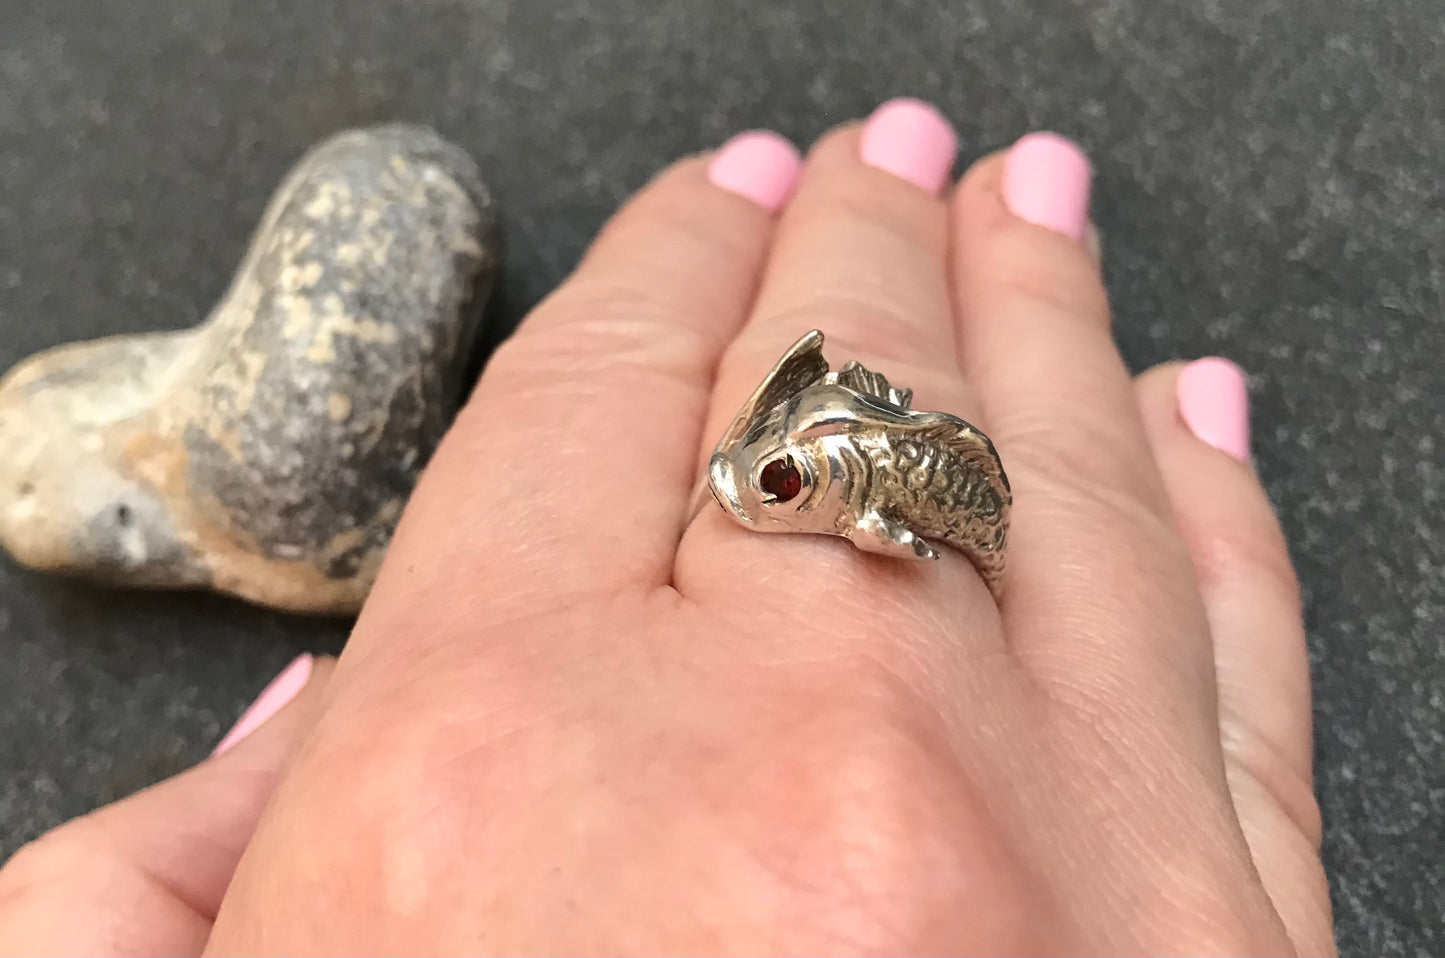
column 572, row 720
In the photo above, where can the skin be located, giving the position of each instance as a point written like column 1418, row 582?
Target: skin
column 581, row 724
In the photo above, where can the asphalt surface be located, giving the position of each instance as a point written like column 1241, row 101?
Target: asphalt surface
column 1269, row 177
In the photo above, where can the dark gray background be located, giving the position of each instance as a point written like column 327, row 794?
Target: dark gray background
column 1269, row 187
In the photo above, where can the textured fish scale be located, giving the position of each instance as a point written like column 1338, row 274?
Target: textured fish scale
column 935, row 492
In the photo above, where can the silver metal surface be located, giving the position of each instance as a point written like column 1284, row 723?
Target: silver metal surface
column 841, row 453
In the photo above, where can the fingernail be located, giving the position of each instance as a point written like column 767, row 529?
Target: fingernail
column 758, row 165
column 283, row 688
column 911, row 140
column 1046, row 182
column 1214, row 403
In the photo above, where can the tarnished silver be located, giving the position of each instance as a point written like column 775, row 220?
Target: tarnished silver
column 841, row 453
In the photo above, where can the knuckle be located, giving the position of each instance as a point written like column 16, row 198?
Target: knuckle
column 836, row 143
column 677, row 216
column 982, row 177
column 414, row 817
column 1060, row 282
column 599, row 327
column 1233, row 551
column 871, row 326
column 43, row 861
column 878, row 838
column 1082, row 460
column 905, row 229
column 674, row 226
column 862, row 318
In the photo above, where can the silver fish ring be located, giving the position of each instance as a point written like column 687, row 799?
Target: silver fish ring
column 843, row 454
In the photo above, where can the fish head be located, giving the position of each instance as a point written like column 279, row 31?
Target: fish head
column 758, row 474
column 768, row 483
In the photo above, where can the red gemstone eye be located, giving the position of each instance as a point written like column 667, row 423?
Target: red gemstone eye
column 781, row 480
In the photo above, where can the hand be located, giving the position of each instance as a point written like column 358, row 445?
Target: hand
column 570, row 720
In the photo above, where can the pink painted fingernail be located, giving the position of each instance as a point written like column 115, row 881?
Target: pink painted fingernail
column 283, row 688
column 911, row 140
column 1214, row 403
column 758, row 165
column 1046, row 182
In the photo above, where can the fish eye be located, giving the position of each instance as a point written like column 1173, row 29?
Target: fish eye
column 781, row 479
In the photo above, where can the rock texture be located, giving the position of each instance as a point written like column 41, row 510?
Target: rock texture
column 268, row 452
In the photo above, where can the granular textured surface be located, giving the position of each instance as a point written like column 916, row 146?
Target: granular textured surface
column 267, row 452
column 1270, row 187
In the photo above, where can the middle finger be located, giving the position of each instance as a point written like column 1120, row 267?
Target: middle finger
column 860, row 253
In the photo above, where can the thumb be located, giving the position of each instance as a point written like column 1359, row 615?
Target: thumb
column 147, row 874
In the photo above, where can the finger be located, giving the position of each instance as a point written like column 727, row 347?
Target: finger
column 147, row 874
column 860, row 254
column 1198, row 427
column 572, row 463
column 1090, row 526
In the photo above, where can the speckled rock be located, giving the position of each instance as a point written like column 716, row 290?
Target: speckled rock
column 268, row 452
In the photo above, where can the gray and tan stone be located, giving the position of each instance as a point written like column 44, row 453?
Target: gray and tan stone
column 267, row 452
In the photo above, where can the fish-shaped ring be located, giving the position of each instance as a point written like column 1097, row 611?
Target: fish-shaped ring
column 842, row 453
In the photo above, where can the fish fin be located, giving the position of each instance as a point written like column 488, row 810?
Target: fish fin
column 874, row 533
column 801, row 366
column 856, row 376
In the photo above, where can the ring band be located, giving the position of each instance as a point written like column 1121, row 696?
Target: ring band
column 842, row 453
